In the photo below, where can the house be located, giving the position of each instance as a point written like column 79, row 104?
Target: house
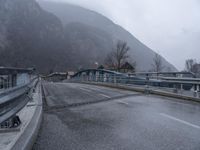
column 127, row 68
column 70, row 74
column 59, row 76
column 56, row 76
column 101, row 67
column 196, row 68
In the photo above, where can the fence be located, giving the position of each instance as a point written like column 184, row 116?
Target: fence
column 172, row 82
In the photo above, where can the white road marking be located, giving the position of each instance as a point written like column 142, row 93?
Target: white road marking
column 181, row 121
column 97, row 88
column 105, row 95
column 85, row 90
column 122, row 102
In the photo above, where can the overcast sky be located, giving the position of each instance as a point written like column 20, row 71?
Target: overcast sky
column 170, row 27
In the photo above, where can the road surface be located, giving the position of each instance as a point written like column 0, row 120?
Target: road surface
column 115, row 120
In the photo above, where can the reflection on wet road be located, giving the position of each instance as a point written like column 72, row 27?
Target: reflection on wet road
column 138, row 122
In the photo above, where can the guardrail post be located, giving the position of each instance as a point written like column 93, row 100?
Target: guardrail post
column 198, row 91
column 195, row 90
column 181, row 88
column 114, row 79
column 94, row 76
column 175, row 90
column 147, row 84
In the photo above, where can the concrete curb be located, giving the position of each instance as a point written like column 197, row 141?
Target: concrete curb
column 143, row 90
column 167, row 94
column 28, row 137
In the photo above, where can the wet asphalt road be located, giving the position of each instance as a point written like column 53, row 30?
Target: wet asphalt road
column 133, row 122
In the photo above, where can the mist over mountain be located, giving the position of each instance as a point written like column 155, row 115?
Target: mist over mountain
column 57, row 37
column 32, row 36
column 88, row 44
column 70, row 13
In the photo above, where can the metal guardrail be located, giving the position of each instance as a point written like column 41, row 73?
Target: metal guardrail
column 179, row 85
column 13, row 100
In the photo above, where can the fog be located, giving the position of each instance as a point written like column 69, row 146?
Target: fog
column 171, row 28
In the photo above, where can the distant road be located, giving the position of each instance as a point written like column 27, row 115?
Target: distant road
column 115, row 120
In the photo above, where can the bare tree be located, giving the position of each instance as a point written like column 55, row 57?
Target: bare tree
column 133, row 63
column 189, row 65
column 109, row 61
column 118, row 56
column 157, row 63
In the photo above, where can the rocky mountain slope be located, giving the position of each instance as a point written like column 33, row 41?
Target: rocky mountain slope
column 31, row 36
column 35, row 36
column 69, row 13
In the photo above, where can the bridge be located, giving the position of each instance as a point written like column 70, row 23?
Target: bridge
column 99, row 109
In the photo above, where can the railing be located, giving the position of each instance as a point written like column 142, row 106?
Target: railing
column 173, row 83
column 14, row 99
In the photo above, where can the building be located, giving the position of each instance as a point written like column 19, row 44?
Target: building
column 127, row 68
column 56, row 76
column 70, row 74
column 196, row 68
column 59, row 76
column 11, row 77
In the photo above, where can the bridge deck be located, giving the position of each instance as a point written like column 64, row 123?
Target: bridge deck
column 108, row 119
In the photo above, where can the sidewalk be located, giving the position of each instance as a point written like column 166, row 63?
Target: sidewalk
column 9, row 140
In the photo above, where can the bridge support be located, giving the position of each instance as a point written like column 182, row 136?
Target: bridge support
column 175, row 90
column 198, row 91
column 181, row 88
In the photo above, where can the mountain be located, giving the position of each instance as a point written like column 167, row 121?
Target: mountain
column 88, row 44
column 74, row 14
column 56, row 37
column 30, row 36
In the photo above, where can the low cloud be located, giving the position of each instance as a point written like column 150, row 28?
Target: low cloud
column 170, row 27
